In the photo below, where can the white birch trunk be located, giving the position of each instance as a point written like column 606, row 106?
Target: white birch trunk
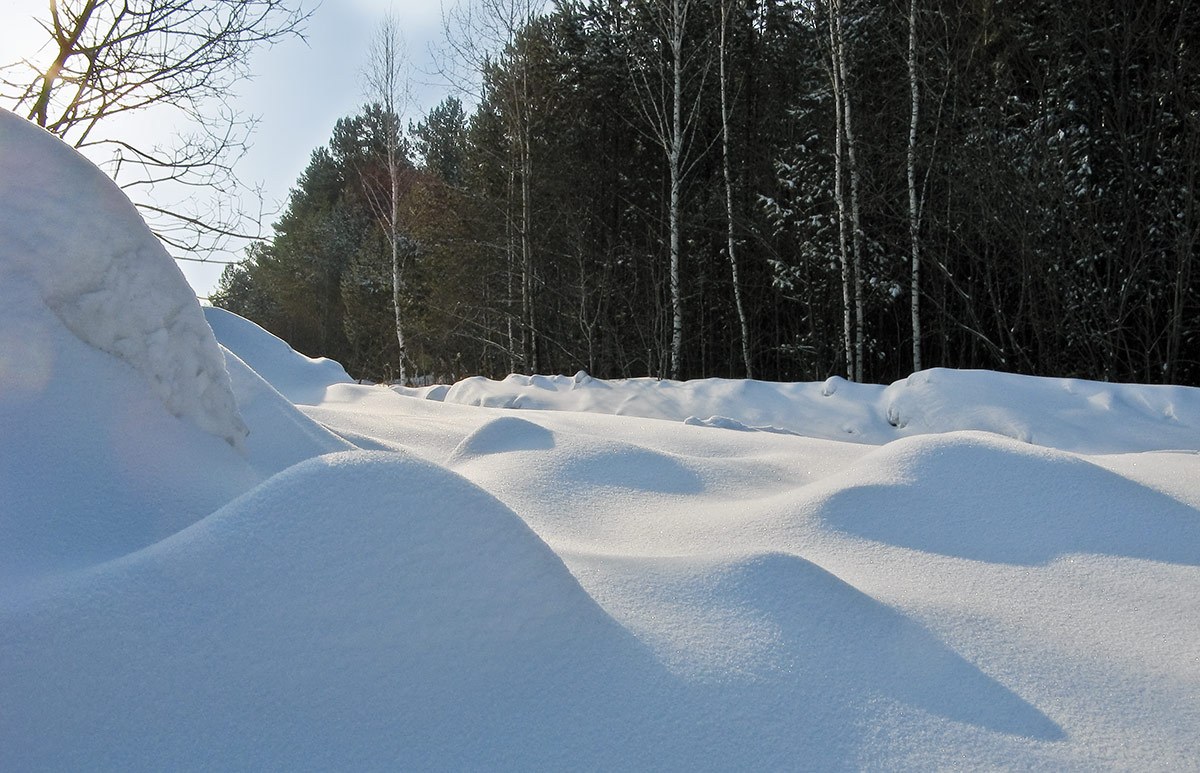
column 668, row 128
column 385, row 81
column 838, row 189
column 394, row 238
column 855, row 216
column 914, row 216
column 510, row 299
column 733, row 264
column 527, row 254
column 676, row 160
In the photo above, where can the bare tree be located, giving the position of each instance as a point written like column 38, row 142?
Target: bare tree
column 386, row 84
column 481, row 37
column 110, row 58
column 660, row 85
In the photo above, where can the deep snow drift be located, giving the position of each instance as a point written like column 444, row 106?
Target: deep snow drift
column 960, row 570
column 118, row 422
column 70, row 231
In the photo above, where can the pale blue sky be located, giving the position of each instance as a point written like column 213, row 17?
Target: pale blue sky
column 300, row 88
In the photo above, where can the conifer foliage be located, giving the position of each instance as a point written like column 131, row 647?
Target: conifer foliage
column 788, row 188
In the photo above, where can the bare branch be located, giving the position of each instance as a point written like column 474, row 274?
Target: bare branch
column 109, row 58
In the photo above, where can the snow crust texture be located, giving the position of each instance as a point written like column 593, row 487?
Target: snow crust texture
column 70, row 230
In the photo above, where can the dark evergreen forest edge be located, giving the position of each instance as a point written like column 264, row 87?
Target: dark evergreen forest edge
column 1044, row 196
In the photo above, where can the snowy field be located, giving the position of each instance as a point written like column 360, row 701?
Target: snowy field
column 218, row 554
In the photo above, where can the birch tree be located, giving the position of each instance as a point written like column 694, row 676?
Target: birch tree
column 726, row 6
column 843, row 69
column 914, row 216
column 660, row 78
column 849, row 273
column 386, row 84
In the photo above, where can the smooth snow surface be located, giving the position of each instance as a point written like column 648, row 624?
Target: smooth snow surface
column 963, row 570
column 298, row 378
column 68, row 229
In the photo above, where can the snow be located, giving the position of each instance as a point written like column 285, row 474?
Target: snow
column 1068, row 414
column 92, row 464
column 72, row 232
column 300, row 379
column 961, row 570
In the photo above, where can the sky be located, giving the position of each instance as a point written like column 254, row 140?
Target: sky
column 299, row 90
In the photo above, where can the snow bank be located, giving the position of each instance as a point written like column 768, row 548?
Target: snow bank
column 95, row 467
column 300, row 379
column 1088, row 417
column 103, row 350
column 70, row 230
column 282, row 435
column 1067, row 414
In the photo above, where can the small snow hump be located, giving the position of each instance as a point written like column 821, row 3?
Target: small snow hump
column 830, row 387
column 70, row 230
column 507, row 433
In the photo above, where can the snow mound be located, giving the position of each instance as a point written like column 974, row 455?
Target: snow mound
column 75, row 235
column 989, row 498
column 578, row 466
column 363, row 610
column 825, row 632
column 94, row 466
column 434, row 392
column 1067, row 414
column 724, row 422
column 300, row 379
column 507, row 433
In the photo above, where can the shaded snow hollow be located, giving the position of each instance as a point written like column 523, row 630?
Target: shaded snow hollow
column 73, row 233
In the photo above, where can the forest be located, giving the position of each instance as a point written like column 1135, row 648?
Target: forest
column 772, row 189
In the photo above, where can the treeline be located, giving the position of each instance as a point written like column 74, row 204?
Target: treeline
column 774, row 188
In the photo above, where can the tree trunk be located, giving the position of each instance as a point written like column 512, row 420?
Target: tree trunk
column 383, row 80
column 838, row 189
column 527, row 306
column 676, row 159
column 855, row 213
column 914, row 217
column 510, row 301
column 394, row 238
column 729, row 235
